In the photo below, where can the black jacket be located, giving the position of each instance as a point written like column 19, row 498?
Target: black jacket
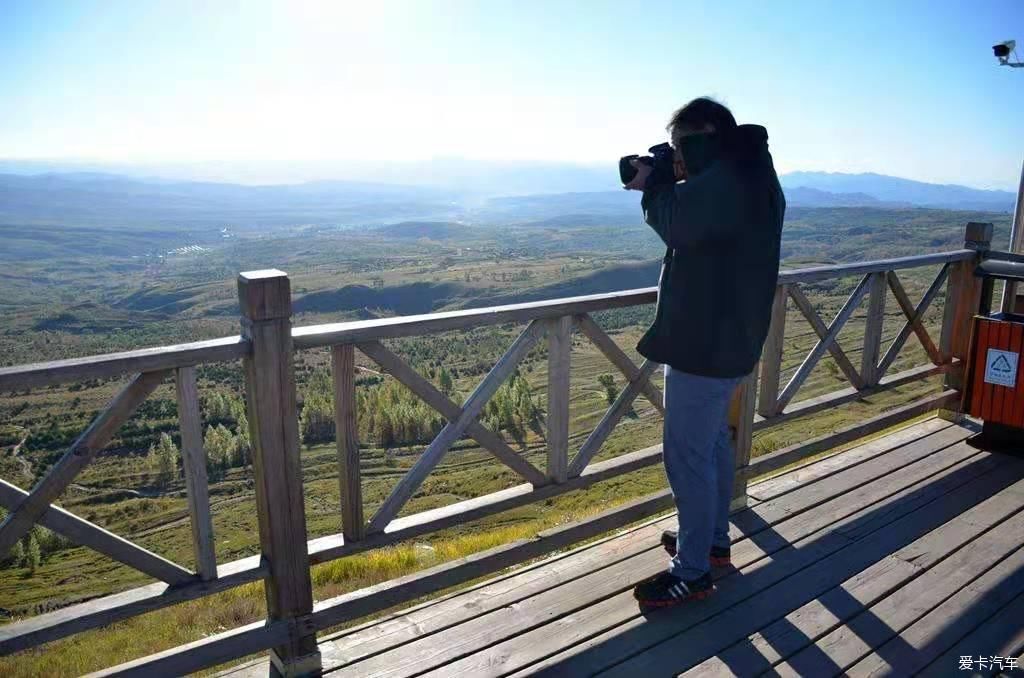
column 722, row 228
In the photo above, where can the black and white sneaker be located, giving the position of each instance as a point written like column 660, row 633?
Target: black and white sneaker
column 666, row 590
column 721, row 556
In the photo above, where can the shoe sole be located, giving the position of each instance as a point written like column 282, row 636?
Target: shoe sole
column 699, row 595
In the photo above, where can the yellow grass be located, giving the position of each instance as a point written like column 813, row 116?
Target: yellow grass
column 163, row 629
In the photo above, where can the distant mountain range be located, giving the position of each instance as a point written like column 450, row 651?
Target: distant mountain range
column 110, row 200
column 469, row 178
column 805, row 196
column 89, row 198
column 873, row 190
column 803, row 189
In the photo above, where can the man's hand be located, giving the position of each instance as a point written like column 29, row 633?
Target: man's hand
column 643, row 170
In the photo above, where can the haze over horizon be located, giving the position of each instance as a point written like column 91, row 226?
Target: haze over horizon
column 305, row 91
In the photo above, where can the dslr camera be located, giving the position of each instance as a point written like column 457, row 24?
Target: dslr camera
column 661, row 158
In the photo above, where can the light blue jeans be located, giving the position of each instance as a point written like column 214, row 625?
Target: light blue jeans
column 699, row 462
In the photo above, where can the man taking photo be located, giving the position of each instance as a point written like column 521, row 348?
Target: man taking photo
column 722, row 226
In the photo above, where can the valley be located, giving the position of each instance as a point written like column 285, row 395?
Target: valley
column 69, row 290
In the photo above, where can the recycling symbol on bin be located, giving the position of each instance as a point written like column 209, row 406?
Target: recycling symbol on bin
column 1001, row 367
column 1001, row 364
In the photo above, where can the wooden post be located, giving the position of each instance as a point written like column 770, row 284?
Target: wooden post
column 559, row 346
column 742, row 420
column 771, row 356
column 353, row 527
column 193, row 463
column 265, row 300
column 869, row 372
column 963, row 297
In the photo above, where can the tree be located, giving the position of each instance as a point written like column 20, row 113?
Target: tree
column 163, row 458
column 243, row 444
column 15, row 556
column 611, row 391
column 386, row 429
column 50, row 542
column 446, row 382
column 526, row 409
column 215, row 407
column 224, row 408
column 316, row 422
column 220, row 447
column 507, row 415
column 512, row 408
column 490, row 413
column 236, row 408
column 32, row 555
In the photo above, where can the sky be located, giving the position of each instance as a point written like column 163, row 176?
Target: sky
column 898, row 87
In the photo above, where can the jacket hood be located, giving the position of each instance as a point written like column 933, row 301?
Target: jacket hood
column 744, row 144
column 750, row 136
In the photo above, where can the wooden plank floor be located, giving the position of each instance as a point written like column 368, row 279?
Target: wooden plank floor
column 893, row 558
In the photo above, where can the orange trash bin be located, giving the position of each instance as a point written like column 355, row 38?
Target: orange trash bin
column 994, row 388
column 996, row 383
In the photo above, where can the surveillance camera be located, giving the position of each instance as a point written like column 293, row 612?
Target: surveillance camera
column 1003, row 50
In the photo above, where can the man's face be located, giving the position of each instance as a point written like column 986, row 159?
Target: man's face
column 677, row 138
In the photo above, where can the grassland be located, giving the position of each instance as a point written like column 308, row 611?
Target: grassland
column 67, row 306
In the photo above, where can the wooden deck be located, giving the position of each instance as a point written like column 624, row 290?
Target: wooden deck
column 895, row 557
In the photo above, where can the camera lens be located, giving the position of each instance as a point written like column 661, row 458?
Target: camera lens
column 1001, row 51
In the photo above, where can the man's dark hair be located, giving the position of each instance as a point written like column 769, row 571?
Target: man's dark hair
column 700, row 113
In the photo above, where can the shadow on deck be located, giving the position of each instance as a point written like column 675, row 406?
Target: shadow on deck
column 898, row 556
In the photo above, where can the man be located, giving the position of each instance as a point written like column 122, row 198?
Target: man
column 722, row 228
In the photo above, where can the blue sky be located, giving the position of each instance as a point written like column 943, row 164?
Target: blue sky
column 903, row 88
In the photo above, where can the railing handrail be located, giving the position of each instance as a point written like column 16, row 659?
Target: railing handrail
column 353, row 332
column 106, row 365
column 819, row 273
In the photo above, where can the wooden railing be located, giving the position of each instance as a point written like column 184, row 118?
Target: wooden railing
column 267, row 346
